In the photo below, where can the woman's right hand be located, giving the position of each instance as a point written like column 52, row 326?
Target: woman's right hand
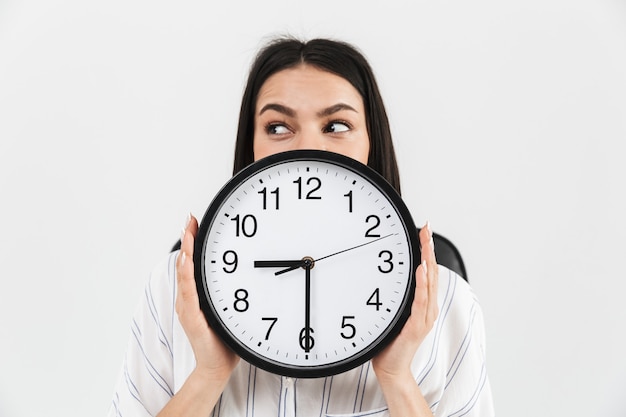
column 212, row 356
column 214, row 360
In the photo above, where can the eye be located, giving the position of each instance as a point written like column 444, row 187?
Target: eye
column 277, row 129
column 337, row 127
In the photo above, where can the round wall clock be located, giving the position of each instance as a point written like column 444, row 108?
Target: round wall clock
column 305, row 263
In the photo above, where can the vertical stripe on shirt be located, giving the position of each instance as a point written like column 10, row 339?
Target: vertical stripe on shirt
column 447, row 304
column 154, row 373
column 465, row 344
column 472, row 401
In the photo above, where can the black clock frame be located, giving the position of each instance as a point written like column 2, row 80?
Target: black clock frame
column 239, row 348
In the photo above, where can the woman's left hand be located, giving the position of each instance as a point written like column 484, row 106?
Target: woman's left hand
column 394, row 362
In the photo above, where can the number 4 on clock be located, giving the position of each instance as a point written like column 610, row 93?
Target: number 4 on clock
column 374, row 299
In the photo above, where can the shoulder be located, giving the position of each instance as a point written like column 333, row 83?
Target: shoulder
column 158, row 301
column 147, row 380
column 161, row 285
column 459, row 348
column 455, row 293
column 460, row 314
column 448, row 254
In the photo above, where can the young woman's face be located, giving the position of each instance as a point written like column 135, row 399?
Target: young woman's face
column 308, row 108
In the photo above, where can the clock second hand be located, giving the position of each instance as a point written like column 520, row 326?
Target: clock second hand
column 299, row 264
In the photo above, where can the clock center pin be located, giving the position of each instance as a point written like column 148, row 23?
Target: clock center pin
column 308, row 262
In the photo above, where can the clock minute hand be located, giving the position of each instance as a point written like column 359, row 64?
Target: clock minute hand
column 308, row 341
column 300, row 264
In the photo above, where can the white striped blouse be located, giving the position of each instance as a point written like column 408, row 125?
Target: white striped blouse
column 449, row 366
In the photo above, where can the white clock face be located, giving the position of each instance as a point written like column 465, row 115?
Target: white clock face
column 306, row 265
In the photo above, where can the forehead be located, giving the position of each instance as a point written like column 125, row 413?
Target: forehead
column 306, row 84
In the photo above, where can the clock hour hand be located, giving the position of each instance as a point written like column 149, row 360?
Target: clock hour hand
column 279, row 264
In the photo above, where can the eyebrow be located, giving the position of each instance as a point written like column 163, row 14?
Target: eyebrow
column 279, row 108
column 336, row 108
column 288, row 111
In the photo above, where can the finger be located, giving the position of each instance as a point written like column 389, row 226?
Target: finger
column 420, row 300
column 427, row 244
column 432, row 270
column 189, row 235
column 184, row 264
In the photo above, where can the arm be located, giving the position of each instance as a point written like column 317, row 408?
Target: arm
column 393, row 364
column 214, row 361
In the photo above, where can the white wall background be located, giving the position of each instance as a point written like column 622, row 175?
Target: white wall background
column 118, row 117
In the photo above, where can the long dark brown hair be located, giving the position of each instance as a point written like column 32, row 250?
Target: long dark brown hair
column 333, row 56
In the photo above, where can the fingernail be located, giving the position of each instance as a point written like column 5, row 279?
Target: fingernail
column 424, row 266
column 430, row 232
column 183, row 256
column 187, row 220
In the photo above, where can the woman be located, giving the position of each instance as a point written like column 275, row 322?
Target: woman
column 315, row 95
